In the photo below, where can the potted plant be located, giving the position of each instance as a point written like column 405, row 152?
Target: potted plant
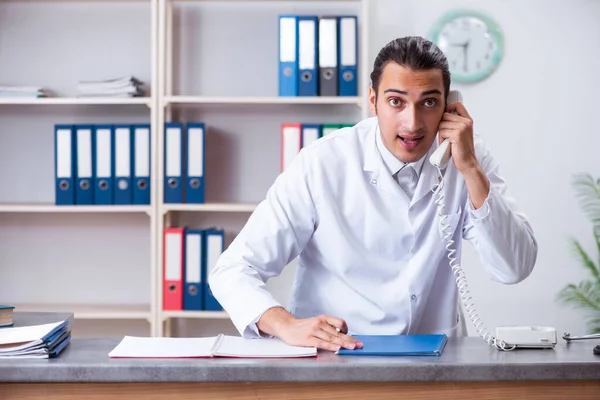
column 586, row 294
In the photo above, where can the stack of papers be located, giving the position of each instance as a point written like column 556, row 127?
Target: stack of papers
column 218, row 346
column 30, row 92
column 35, row 341
column 118, row 87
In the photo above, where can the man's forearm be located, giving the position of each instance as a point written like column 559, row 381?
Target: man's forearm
column 478, row 186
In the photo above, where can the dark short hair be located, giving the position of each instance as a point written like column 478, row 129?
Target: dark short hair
column 413, row 52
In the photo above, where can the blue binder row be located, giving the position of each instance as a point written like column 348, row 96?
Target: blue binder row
column 318, row 56
column 184, row 164
column 102, row 164
column 201, row 251
column 295, row 136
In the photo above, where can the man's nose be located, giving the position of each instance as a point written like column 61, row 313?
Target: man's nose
column 412, row 121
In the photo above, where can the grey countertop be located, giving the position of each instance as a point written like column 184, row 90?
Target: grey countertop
column 464, row 359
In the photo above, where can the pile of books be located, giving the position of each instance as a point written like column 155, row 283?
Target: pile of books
column 34, row 341
column 119, row 87
column 6, row 315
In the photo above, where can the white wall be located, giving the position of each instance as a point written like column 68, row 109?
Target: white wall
column 537, row 114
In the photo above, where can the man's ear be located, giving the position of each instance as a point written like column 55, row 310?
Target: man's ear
column 373, row 101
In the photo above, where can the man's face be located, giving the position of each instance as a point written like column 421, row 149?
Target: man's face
column 409, row 107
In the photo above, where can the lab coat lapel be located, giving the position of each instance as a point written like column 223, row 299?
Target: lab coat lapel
column 428, row 177
column 378, row 174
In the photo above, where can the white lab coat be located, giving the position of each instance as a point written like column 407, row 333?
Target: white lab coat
column 368, row 254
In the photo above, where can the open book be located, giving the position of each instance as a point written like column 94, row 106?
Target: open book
column 217, row 346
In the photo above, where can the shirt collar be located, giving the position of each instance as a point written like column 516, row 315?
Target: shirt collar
column 392, row 164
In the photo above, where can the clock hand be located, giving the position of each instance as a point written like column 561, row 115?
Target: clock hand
column 465, row 52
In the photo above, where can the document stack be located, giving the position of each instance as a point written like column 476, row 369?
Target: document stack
column 118, row 87
column 28, row 92
column 34, row 341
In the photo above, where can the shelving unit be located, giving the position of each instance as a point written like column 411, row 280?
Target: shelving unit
column 225, row 111
column 95, row 312
column 42, row 229
column 51, row 208
column 172, row 104
column 75, row 101
column 199, row 100
column 210, row 207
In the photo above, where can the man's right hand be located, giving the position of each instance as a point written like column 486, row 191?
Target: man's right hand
column 323, row 332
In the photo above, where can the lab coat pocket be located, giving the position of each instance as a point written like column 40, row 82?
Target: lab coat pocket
column 447, row 225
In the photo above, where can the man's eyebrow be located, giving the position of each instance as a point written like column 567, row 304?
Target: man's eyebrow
column 425, row 93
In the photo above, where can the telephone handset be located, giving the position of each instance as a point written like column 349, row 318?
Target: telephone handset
column 441, row 156
column 507, row 337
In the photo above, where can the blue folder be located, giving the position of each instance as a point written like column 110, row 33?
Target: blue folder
column 398, row 345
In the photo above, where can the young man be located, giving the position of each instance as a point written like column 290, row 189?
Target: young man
column 357, row 207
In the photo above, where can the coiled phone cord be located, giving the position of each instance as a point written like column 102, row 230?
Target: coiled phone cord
column 461, row 280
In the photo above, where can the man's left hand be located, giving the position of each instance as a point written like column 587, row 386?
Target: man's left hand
column 458, row 128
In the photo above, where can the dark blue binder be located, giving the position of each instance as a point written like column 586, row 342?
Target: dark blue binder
column 194, row 162
column 212, row 247
column 64, row 164
column 398, row 345
column 103, row 162
column 173, row 162
column 347, row 55
column 84, row 167
column 123, row 157
column 141, row 163
column 308, row 40
column 193, row 295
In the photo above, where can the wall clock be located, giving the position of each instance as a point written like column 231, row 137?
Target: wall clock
column 472, row 42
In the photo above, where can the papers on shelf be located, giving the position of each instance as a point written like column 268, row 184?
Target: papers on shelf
column 119, row 87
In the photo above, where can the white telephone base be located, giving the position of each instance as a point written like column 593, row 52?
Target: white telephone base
column 532, row 337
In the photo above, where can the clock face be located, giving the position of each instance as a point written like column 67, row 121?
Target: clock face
column 471, row 42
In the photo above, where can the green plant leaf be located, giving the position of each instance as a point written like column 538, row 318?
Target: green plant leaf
column 597, row 238
column 586, row 261
column 594, row 324
column 587, row 191
column 585, row 296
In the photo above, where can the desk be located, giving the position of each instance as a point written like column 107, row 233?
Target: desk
column 468, row 369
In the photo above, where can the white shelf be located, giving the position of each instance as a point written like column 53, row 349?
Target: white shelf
column 315, row 100
column 75, row 101
column 51, row 208
column 210, row 207
column 195, row 314
column 252, row 1
column 91, row 311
